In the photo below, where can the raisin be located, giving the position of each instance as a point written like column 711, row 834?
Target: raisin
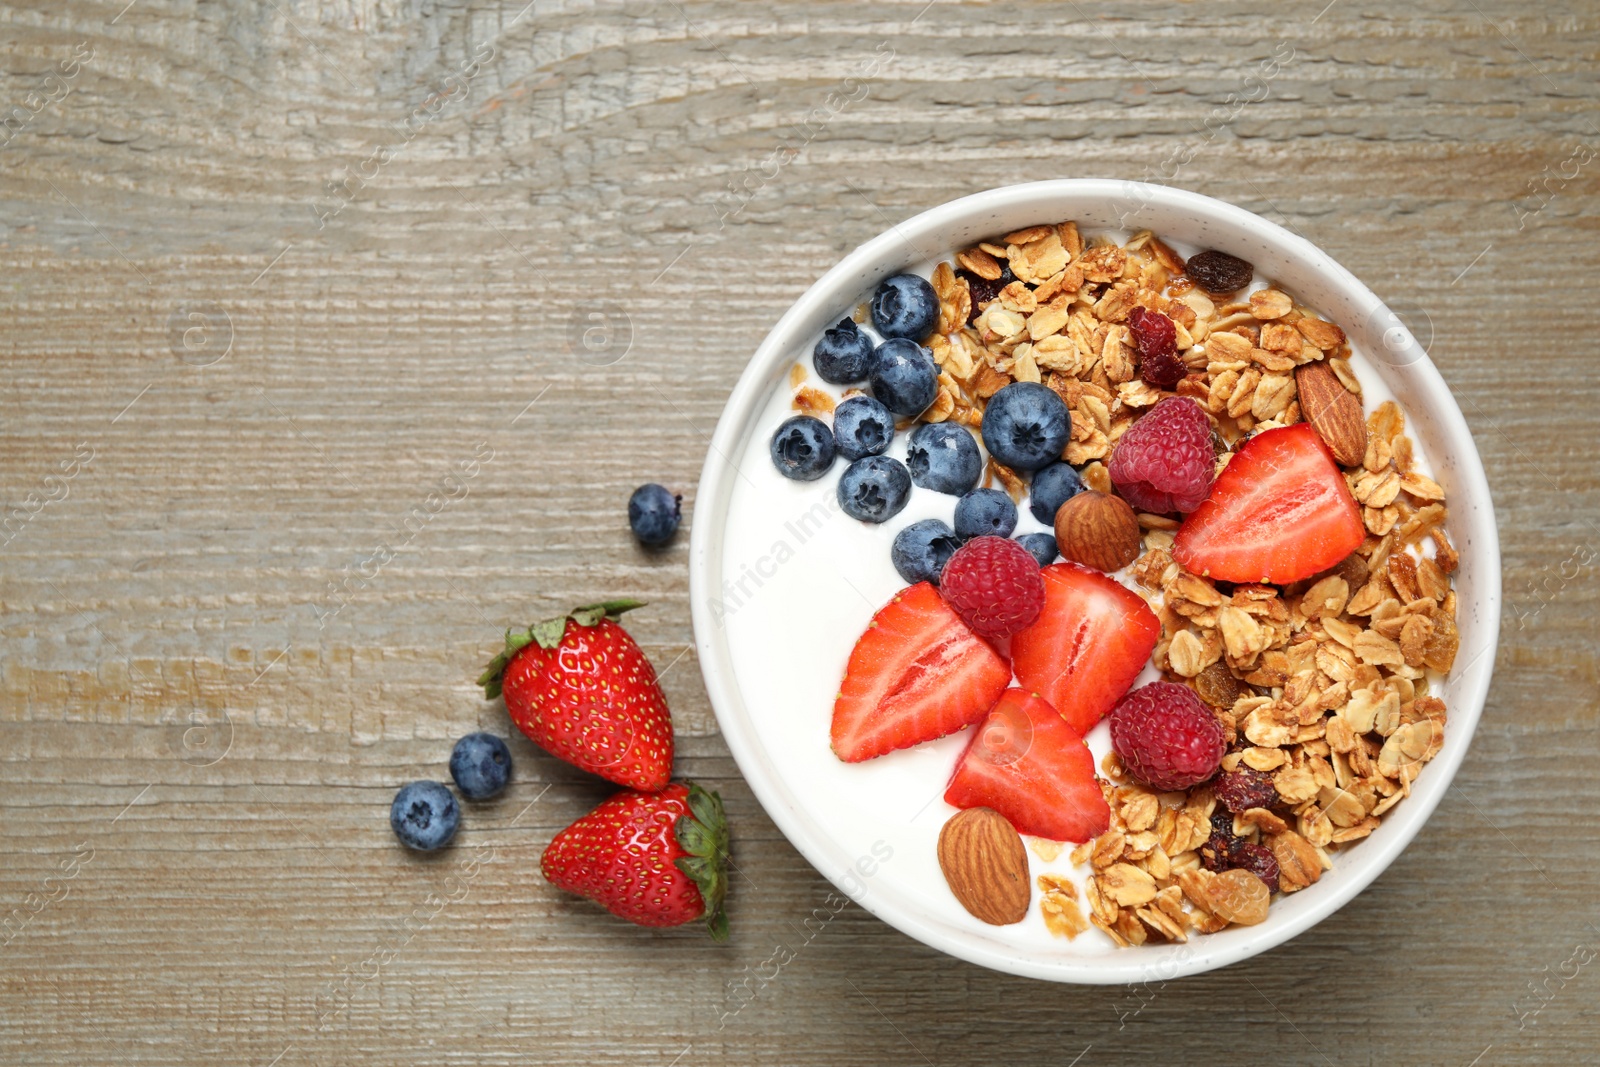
column 1217, row 686
column 1219, row 273
column 1258, row 860
column 984, row 290
column 1245, row 788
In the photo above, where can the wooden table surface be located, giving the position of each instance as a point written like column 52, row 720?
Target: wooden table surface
column 336, row 333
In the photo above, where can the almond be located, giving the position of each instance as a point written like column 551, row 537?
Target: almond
column 986, row 866
column 1098, row 530
column 1333, row 411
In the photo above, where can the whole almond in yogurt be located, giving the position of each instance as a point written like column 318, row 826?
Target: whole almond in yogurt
column 986, row 865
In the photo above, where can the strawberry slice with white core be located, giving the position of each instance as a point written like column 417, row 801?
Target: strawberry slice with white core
column 1279, row 512
column 1089, row 643
column 1026, row 763
column 918, row 673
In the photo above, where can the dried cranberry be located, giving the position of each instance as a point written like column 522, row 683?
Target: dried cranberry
column 1154, row 333
column 1245, row 788
column 984, row 290
column 1219, row 273
column 1157, row 339
column 1215, row 852
column 1258, row 860
column 1219, row 846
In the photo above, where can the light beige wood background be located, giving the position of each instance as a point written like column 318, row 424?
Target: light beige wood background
column 202, row 729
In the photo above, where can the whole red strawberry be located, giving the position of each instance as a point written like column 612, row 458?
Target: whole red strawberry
column 581, row 689
column 656, row 859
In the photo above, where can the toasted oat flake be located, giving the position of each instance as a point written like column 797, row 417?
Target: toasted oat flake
column 1058, row 904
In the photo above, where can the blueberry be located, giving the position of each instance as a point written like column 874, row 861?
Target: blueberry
column 844, row 355
column 944, row 457
column 905, row 306
column 1052, row 487
column 1026, row 425
column 802, row 448
column 654, row 513
column 985, row 511
column 904, row 376
column 922, row 549
column 424, row 816
column 481, row 765
column 862, row 427
column 1041, row 545
column 874, row 488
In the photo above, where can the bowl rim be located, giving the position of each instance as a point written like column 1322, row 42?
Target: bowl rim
column 888, row 252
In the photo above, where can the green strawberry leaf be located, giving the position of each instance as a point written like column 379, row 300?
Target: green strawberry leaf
column 703, row 834
column 548, row 634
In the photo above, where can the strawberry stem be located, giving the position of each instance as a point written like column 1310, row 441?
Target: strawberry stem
column 703, row 834
column 547, row 634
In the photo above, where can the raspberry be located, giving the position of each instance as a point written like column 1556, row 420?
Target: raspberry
column 994, row 584
column 1258, row 860
column 1165, row 461
column 1166, row 737
column 1157, row 339
column 1245, row 788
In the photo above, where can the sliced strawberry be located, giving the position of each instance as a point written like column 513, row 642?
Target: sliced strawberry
column 917, row 673
column 1280, row 511
column 1026, row 763
column 1089, row 643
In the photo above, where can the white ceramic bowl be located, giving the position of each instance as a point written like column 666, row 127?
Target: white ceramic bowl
column 871, row 831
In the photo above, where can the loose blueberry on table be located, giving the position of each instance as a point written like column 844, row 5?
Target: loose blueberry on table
column 425, row 816
column 654, row 513
column 480, row 764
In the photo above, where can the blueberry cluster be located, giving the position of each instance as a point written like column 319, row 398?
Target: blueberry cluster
column 1025, row 426
column 922, row 549
column 902, row 380
column 425, row 815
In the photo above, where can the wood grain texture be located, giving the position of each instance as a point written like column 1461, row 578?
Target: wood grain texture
column 206, row 704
